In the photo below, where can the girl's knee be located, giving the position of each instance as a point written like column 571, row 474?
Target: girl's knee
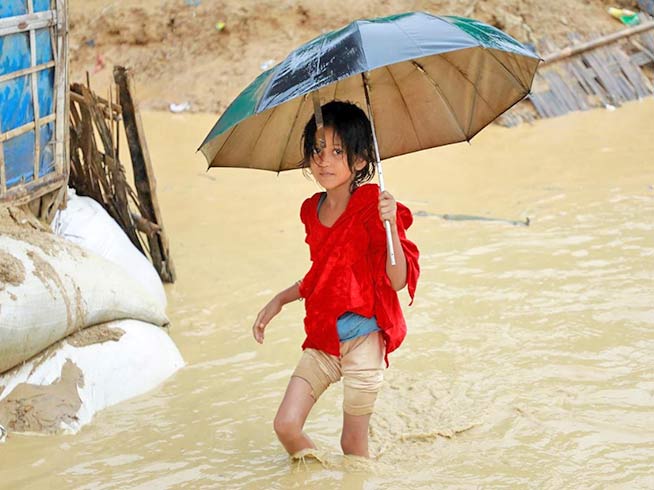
column 358, row 402
column 286, row 426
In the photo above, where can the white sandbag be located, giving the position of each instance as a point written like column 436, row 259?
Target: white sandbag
column 50, row 288
column 86, row 223
column 84, row 373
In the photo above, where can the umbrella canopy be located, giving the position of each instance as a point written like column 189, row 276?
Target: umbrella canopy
column 433, row 80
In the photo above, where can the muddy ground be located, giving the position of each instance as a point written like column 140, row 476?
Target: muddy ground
column 181, row 54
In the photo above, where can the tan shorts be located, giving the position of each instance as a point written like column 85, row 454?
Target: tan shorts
column 361, row 364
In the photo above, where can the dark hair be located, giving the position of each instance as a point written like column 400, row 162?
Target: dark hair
column 353, row 128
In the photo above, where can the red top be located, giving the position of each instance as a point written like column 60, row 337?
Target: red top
column 348, row 271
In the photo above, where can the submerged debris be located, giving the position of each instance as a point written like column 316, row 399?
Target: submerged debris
column 467, row 217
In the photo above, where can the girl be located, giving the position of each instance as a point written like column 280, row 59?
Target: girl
column 353, row 317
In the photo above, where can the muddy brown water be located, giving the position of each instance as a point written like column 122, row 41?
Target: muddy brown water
column 530, row 356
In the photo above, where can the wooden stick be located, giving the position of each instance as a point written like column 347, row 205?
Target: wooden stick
column 78, row 97
column 600, row 41
column 50, row 205
column 145, row 182
column 112, row 124
column 144, row 225
column 118, row 116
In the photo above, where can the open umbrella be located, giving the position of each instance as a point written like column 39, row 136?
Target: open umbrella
column 425, row 80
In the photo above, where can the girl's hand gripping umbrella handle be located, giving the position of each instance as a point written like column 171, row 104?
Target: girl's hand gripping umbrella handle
column 387, row 223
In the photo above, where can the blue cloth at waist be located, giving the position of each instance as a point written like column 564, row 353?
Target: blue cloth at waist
column 350, row 325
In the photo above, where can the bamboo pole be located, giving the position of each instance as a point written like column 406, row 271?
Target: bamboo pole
column 26, row 71
column 25, row 128
column 22, row 194
column 20, row 23
column 62, row 105
column 595, row 43
column 35, row 97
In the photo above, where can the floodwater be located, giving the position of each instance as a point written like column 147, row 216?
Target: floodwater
column 530, row 356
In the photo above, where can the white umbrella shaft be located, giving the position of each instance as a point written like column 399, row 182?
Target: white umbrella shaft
column 380, row 172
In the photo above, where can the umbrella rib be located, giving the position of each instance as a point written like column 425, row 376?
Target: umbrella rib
column 288, row 137
column 474, row 100
column 474, row 85
column 231, row 132
column 422, row 70
column 511, row 74
column 263, row 127
column 417, row 45
column 399, row 91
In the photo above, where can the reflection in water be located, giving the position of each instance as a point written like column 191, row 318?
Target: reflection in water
column 529, row 357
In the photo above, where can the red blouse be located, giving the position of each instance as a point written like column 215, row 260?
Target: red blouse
column 348, row 271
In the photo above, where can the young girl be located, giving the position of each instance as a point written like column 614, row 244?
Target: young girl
column 353, row 317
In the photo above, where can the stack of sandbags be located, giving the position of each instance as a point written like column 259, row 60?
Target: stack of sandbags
column 62, row 388
column 50, row 289
column 86, row 223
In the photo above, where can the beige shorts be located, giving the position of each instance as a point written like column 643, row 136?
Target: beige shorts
column 361, row 365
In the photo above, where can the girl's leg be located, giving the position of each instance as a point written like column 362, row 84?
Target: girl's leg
column 362, row 362
column 292, row 414
column 354, row 439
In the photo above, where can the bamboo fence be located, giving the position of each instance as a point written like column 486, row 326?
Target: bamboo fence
column 96, row 170
column 605, row 71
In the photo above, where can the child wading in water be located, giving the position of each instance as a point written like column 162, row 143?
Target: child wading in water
column 353, row 316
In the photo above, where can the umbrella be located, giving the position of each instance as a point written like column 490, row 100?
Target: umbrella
column 425, row 80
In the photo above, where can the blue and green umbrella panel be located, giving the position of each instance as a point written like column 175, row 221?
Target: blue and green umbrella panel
column 433, row 80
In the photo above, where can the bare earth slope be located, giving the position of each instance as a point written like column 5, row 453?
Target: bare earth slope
column 179, row 55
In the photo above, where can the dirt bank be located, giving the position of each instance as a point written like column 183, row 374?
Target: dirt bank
column 180, row 53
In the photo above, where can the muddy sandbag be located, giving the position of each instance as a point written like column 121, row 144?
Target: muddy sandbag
column 61, row 389
column 50, row 288
column 86, row 223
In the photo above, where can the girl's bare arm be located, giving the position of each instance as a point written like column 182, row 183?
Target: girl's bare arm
column 273, row 307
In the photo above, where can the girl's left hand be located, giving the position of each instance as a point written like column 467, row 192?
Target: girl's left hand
column 387, row 207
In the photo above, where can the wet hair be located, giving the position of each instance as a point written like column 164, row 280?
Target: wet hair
column 353, row 128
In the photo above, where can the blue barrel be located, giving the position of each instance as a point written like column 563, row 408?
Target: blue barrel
column 28, row 99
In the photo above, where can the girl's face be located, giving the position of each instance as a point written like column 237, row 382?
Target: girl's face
column 329, row 165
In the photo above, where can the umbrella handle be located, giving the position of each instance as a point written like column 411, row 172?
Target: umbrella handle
column 389, row 241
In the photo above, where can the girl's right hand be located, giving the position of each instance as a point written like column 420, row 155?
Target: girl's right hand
column 266, row 314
